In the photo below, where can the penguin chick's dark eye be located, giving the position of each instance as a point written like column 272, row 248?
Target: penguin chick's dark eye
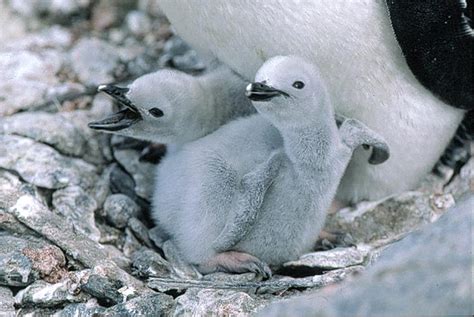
column 298, row 84
column 155, row 112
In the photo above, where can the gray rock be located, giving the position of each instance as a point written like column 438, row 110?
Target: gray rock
column 131, row 243
column 94, row 61
column 147, row 305
column 204, row 302
column 43, row 294
column 49, row 261
column 382, row 222
column 138, row 23
column 25, row 77
column 51, row 129
column 82, row 309
column 119, row 209
column 104, row 289
column 143, row 173
column 180, row 267
column 464, row 182
column 43, row 166
column 37, row 8
column 6, row 302
column 427, row 273
column 78, row 208
column 147, row 263
column 311, row 263
column 157, row 236
column 16, row 270
column 140, row 231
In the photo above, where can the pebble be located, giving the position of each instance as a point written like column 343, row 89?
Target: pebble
column 147, row 263
column 146, row 305
column 7, row 302
column 119, row 209
column 94, row 61
column 138, row 23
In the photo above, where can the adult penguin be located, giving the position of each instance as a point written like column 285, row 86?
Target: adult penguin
column 402, row 67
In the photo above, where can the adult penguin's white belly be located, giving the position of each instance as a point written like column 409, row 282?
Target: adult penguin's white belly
column 354, row 46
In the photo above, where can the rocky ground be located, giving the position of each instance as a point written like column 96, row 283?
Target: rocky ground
column 75, row 235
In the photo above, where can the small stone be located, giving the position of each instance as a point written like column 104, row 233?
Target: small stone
column 94, row 61
column 313, row 263
column 143, row 173
column 104, row 289
column 119, row 209
column 145, row 305
column 7, row 302
column 157, row 235
column 463, row 183
column 48, row 261
column 90, row 308
column 43, row 294
column 147, row 263
column 181, row 268
column 215, row 302
column 78, row 208
column 16, row 270
column 138, row 23
column 121, row 181
column 140, row 231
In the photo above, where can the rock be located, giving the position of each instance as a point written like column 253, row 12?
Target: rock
column 6, row 302
column 43, row 294
column 94, row 61
column 25, row 77
column 121, row 181
column 54, row 37
column 178, row 54
column 78, row 208
column 48, row 261
column 214, row 302
column 151, row 7
column 104, row 289
column 43, row 166
column 464, row 182
column 140, row 231
column 382, row 222
column 138, row 23
column 146, row 305
column 51, row 129
column 54, row 8
column 157, row 236
column 131, row 244
column 316, row 262
column 143, row 173
column 147, row 263
column 180, row 267
column 16, row 270
column 427, row 273
column 90, row 308
column 119, row 209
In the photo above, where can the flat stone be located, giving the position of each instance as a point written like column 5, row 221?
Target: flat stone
column 49, row 261
column 428, row 273
column 51, row 129
column 90, row 308
column 16, row 270
column 143, row 173
column 147, row 263
column 7, row 302
column 328, row 260
column 43, row 294
column 78, row 208
column 146, row 305
column 104, row 289
column 140, row 231
column 94, row 61
column 202, row 302
column 43, row 166
column 382, row 222
column 119, row 209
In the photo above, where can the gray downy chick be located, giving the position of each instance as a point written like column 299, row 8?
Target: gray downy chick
column 255, row 192
column 172, row 107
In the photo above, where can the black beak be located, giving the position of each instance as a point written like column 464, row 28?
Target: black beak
column 262, row 92
column 122, row 119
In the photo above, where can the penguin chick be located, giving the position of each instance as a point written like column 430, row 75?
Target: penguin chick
column 170, row 106
column 255, row 192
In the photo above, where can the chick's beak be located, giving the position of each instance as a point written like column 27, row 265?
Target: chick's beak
column 119, row 120
column 262, row 92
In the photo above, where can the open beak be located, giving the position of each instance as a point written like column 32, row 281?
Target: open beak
column 121, row 119
column 262, row 92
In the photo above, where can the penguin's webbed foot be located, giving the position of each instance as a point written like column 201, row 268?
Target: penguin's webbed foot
column 235, row 262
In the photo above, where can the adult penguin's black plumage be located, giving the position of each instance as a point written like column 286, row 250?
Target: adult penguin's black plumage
column 437, row 39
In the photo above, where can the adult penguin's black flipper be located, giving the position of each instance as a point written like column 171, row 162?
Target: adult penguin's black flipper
column 437, row 39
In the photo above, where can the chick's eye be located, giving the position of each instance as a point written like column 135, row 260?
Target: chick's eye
column 298, row 84
column 156, row 112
